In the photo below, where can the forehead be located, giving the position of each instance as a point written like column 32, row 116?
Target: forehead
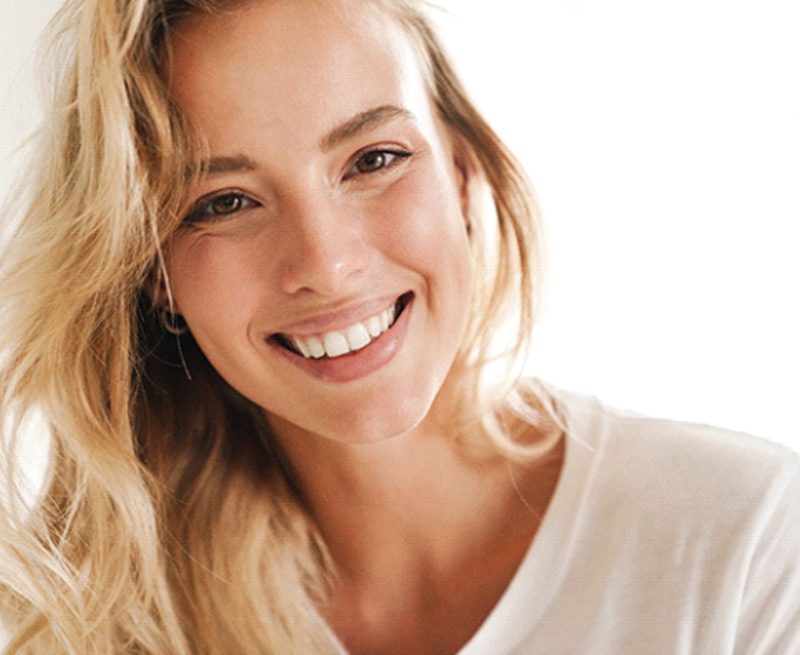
column 293, row 63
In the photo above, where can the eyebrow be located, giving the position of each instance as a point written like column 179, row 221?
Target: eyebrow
column 361, row 122
column 218, row 165
column 366, row 120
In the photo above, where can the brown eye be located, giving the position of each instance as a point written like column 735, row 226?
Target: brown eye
column 220, row 207
column 371, row 161
column 226, row 204
column 376, row 161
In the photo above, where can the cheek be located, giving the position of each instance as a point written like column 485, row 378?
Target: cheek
column 428, row 232
column 428, row 235
column 212, row 280
column 421, row 217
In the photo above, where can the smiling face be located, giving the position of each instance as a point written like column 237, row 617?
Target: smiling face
column 323, row 266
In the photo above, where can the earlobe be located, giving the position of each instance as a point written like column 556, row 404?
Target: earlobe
column 156, row 288
column 156, row 291
column 166, row 309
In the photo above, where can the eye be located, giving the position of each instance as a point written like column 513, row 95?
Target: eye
column 374, row 161
column 219, row 207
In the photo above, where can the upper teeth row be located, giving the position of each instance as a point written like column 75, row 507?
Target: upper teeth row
column 340, row 342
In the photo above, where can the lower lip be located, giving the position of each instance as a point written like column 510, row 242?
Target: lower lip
column 360, row 363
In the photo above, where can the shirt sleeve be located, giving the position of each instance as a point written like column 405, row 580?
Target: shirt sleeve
column 770, row 612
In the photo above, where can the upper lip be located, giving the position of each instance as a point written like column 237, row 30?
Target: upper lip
column 339, row 318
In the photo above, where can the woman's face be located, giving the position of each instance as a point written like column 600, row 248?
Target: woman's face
column 323, row 266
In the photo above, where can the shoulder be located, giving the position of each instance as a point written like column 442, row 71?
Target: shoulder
column 699, row 457
column 685, row 474
column 699, row 522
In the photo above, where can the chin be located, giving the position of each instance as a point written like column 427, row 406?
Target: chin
column 368, row 419
column 374, row 426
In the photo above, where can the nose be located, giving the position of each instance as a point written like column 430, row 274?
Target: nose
column 325, row 251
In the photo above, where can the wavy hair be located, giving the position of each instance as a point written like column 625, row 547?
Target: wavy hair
column 168, row 521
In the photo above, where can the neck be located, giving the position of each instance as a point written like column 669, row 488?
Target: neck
column 411, row 505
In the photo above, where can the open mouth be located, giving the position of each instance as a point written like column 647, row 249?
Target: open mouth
column 347, row 340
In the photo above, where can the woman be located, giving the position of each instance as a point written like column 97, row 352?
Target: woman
column 256, row 297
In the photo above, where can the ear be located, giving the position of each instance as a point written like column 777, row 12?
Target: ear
column 466, row 169
column 156, row 288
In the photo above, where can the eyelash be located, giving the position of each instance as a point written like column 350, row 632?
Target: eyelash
column 396, row 156
column 202, row 211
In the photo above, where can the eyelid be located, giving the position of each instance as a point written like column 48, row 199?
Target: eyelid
column 400, row 154
column 196, row 215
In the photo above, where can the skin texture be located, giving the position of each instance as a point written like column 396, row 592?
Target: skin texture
column 425, row 541
column 320, row 239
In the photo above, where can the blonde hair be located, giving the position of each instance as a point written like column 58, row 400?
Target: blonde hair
column 168, row 521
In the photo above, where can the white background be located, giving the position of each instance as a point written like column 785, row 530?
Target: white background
column 664, row 143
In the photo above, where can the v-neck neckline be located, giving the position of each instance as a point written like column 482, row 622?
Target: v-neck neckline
column 541, row 569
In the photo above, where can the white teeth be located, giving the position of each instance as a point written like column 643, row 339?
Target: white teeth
column 298, row 343
column 374, row 326
column 315, row 347
column 340, row 342
column 335, row 344
column 357, row 336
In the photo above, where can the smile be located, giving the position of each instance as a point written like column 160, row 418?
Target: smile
column 346, row 340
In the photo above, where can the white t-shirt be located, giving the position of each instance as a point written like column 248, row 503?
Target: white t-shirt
column 662, row 538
